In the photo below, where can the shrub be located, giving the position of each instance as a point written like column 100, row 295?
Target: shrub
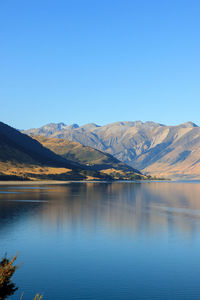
column 7, row 269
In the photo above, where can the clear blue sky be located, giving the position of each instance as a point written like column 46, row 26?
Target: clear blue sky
column 101, row 61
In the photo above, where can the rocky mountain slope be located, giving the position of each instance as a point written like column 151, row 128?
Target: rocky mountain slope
column 172, row 151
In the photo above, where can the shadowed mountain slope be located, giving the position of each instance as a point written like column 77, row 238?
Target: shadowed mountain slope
column 172, row 151
column 22, row 157
column 20, row 148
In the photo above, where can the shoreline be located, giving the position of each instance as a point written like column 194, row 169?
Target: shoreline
column 54, row 182
column 39, row 182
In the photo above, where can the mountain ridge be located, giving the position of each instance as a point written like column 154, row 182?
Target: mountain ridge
column 25, row 158
column 153, row 148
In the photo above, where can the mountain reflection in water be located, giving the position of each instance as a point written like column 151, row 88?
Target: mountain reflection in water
column 118, row 206
column 124, row 231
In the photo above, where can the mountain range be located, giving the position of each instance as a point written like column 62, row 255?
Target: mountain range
column 152, row 148
column 25, row 158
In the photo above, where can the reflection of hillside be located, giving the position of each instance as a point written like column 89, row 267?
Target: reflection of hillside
column 119, row 207
column 114, row 207
column 17, row 205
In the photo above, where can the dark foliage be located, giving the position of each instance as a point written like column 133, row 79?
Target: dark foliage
column 7, row 269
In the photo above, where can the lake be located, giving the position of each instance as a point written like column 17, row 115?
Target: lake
column 120, row 240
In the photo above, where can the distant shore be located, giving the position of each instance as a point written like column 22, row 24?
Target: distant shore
column 54, row 182
column 39, row 182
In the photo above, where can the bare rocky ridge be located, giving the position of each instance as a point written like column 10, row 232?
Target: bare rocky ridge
column 157, row 149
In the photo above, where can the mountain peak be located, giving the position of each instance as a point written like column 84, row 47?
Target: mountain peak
column 72, row 126
column 90, row 126
column 154, row 124
column 188, row 125
column 59, row 125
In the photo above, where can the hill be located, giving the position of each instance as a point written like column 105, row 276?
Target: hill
column 24, row 158
column 157, row 149
column 89, row 157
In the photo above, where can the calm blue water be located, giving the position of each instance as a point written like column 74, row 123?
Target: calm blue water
column 103, row 240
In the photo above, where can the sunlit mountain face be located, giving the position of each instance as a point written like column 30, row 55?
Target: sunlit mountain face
column 157, row 149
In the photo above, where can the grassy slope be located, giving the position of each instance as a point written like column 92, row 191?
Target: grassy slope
column 22, row 157
column 90, row 157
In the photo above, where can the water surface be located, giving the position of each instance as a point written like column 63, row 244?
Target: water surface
column 118, row 240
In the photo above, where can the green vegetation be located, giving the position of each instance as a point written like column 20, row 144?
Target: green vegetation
column 149, row 177
column 7, row 269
